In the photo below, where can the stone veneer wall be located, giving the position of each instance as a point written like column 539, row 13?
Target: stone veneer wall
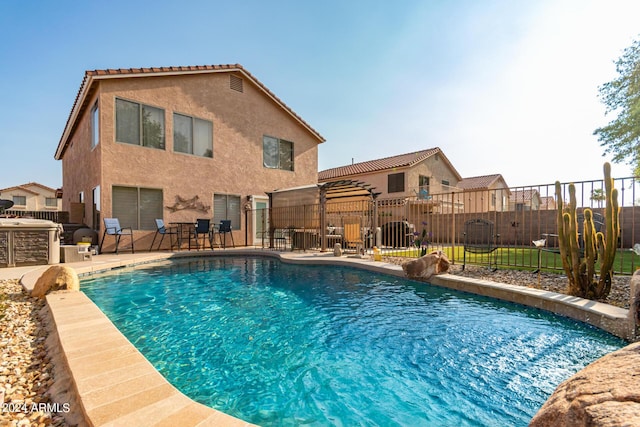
column 4, row 248
column 30, row 247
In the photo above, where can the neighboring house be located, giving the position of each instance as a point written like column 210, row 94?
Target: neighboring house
column 526, row 199
column 181, row 143
column 417, row 174
column 548, row 203
column 32, row 197
column 485, row 193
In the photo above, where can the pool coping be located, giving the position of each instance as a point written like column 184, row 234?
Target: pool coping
column 116, row 385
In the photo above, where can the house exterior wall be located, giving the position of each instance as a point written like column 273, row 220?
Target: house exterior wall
column 493, row 199
column 81, row 164
column 35, row 196
column 437, row 170
column 531, row 202
column 433, row 167
column 240, row 120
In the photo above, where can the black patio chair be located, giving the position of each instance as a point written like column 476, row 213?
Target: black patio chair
column 203, row 228
column 223, row 230
column 479, row 238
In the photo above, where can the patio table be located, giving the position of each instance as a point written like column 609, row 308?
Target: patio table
column 185, row 228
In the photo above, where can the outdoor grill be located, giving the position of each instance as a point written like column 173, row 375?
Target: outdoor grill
column 29, row 242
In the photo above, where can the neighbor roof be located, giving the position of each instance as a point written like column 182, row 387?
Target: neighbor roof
column 524, row 194
column 479, row 182
column 90, row 77
column 25, row 187
column 386, row 163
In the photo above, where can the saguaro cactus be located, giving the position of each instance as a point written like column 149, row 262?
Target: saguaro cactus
column 580, row 263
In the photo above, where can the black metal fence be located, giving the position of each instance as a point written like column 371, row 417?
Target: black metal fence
column 524, row 222
column 60, row 217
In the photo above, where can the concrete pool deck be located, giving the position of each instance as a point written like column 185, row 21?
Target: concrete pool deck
column 115, row 385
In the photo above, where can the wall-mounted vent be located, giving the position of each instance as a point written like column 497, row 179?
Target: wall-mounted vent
column 235, row 83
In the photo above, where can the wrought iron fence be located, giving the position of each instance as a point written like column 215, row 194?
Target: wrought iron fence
column 60, row 217
column 524, row 222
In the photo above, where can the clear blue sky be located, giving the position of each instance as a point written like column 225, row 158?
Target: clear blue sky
column 500, row 86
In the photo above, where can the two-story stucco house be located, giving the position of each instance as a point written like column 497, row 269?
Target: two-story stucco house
column 181, row 143
column 416, row 174
column 32, row 197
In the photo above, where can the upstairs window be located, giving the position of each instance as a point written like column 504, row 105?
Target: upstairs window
column 192, row 135
column 20, row 200
column 139, row 124
column 51, row 202
column 395, row 182
column 277, row 153
column 95, row 125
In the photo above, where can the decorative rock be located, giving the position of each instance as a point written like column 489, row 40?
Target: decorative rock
column 55, row 278
column 25, row 319
column 605, row 393
column 424, row 267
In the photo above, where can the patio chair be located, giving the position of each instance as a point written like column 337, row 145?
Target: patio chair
column 112, row 228
column 223, row 230
column 203, row 228
column 479, row 238
column 162, row 230
column 352, row 232
column 281, row 238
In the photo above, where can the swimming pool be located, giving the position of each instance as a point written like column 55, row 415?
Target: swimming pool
column 282, row 344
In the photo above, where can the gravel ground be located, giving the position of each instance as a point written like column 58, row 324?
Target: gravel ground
column 26, row 371
column 619, row 295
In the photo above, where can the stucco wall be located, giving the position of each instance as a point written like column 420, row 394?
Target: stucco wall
column 434, row 167
column 240, row 119
column 81, row 164
column 35, row 197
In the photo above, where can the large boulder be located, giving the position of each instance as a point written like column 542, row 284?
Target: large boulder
column 605, row 393
column 55, row 278
column 424, row 267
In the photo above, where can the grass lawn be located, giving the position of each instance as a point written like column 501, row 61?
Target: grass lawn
column 525, row 258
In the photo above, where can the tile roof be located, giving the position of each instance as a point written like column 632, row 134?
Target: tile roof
column 24, row 187
column 524, row 194
column 86, row 88
column 399, row 161
column 477, row 182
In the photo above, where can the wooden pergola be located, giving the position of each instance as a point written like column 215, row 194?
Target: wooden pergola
column 324, row 194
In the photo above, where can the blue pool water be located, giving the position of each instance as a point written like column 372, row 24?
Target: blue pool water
column 280, row 344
